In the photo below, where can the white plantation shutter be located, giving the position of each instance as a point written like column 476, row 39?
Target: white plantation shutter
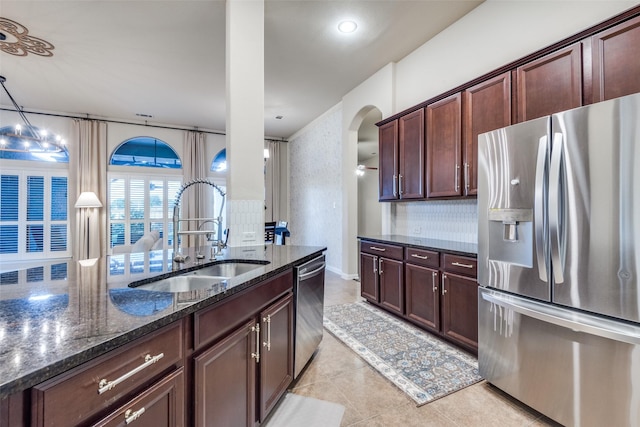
column 138, row 205
column 34, row 206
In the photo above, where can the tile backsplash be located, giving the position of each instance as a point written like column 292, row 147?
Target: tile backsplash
column 455, row 220
column 245, row 222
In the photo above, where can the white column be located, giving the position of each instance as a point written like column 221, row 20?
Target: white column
column 245, row 121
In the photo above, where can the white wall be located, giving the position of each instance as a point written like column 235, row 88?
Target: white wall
column 492, row 35
column 315, row 187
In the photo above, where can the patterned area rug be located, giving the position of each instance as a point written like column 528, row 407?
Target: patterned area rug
column 423, row 366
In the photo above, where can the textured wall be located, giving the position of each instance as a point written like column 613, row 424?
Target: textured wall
column 316, row 186
column 448, row 220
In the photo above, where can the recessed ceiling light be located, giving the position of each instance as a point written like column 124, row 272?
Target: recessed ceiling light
column 347, row 26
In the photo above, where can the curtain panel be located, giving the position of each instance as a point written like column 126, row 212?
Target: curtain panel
column 88, row 159
column 273, row 171
column 196, row 201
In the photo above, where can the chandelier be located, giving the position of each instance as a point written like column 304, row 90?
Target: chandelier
column 25, row 137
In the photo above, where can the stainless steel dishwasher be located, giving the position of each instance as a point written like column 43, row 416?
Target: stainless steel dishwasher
column 309, row 296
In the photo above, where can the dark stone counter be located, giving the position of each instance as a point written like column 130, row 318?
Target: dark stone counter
column 56, row 315
column 458, row 248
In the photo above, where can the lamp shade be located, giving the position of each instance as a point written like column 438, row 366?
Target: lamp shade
column 88, row 199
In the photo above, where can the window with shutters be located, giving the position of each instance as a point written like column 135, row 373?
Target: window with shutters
column 141, row 199
column 34, row 201
column 138, row 204
column 34, row 220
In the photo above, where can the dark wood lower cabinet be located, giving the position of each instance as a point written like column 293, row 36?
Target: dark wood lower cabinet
column 391, row 284
column 225, row 380
column 369, row 277
column 276, row 361
column 250, row 368
column 435, row 291
column 422, row 296
column 161, row 405
column 460, row 309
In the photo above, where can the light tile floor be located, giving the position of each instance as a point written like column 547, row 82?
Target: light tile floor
column 337, row 374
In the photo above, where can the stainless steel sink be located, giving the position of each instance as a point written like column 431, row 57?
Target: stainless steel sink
column 203, row 278
column 226, row 270
column 183, row 283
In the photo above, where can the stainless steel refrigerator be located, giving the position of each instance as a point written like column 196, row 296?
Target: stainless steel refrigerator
column 558, row 263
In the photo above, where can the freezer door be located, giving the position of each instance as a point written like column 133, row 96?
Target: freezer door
column 577, row 369
column 594, row 207
column 512, row 226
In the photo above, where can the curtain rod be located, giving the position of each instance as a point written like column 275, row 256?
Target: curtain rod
column 130, row 123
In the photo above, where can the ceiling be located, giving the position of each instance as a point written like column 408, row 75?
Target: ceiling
column 165, row 59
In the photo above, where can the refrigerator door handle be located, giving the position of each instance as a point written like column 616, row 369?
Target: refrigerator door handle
column 567, row 319
column 556, row 206
column 540, row 223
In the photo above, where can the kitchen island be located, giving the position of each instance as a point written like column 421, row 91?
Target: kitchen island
column 58, row 316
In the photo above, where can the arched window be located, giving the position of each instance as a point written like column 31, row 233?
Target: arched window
column 219, row 163
column 140, row 201
column 145, row 151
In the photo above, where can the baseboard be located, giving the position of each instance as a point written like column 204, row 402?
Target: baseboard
column 341, row 274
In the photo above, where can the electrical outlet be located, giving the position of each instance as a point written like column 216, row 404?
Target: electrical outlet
column 417, row 229
column 249, row 236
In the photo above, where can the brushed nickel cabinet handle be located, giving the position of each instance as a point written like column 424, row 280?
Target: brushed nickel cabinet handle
column 130, row 416
column 105, row 385
column 400, row 185
column 380, row 265
column 375, row 248
column 395, row 186
column 267, row 343
column 457, row 264
column 256, row 354
column 444, row 290
column 375, row 265
column 456, row 177
column 466, row 175
column 420, row 256
column 433, row 282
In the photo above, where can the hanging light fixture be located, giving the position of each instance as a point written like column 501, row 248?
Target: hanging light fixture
column 360, row 169
column 25, row 137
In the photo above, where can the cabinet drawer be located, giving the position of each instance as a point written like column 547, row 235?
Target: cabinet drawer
column 466, row 266
column 160, row 405
column 73, row 397
column 422, row 257
column 216, row 321
column 382, row 249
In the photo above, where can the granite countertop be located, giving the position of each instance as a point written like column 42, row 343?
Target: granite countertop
column 56, row 315
column 459, row 248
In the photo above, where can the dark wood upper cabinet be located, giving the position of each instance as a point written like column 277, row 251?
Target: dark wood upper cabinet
column 550, row 84
column 411, row 145
column 487, row 107
column 444, row 147
column 615, row 55
column 388, row 160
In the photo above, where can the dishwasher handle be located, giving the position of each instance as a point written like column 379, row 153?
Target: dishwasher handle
column 312, row 273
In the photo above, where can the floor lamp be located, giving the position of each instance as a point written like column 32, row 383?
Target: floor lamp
column 88, row 200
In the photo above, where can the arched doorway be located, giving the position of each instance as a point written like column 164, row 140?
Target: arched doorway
column 369, row 212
